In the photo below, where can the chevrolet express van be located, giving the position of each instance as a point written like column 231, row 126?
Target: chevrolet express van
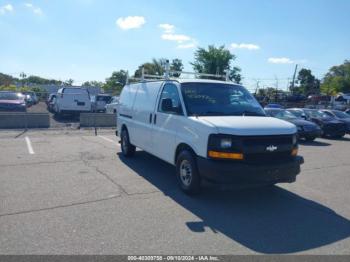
column 72, row 100
column 208, row 129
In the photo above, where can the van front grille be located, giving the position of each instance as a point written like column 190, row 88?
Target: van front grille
column 268, row 158
column 256, row 149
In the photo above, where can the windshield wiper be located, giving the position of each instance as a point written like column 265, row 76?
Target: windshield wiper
column 251, row 113
column 217, row 113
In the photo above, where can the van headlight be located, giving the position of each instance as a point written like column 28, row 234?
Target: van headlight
column 224, row 147
column 295, row 145
column 226, row 143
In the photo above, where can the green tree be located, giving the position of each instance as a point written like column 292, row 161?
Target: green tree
column 93, row 84
column 69, row 82
column 157, row 67
column 115, row 82
column 23, row 77
column 8, row 88
column 269, row 93
column 176, row 65
column 337, row 79
column 307, row 83
column 37, row 80
column 216, row 61
column 7, row 80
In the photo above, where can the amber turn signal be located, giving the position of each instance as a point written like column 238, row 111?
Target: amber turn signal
column 224, row 155
column 294, row 152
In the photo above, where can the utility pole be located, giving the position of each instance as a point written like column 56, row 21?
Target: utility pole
column 276, row 91
column 287, row 87
column 23, row 76
column 295, row 72
column 257, row 85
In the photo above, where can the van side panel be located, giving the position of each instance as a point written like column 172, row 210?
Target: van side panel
column 194, row 133
column 144, row 106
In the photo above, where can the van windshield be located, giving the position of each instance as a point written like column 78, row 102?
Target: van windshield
column 214, row 99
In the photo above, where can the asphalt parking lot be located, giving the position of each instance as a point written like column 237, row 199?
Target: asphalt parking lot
column 68, row 122
column 71, row 192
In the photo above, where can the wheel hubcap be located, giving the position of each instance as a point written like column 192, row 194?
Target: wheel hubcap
column 186, row 172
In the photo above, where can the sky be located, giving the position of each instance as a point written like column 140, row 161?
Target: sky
column 89, row 39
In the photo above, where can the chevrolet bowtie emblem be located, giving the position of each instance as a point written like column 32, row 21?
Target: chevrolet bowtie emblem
column 271, row 148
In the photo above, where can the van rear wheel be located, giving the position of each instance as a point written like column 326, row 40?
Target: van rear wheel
column 128, row 149
column 187, row 173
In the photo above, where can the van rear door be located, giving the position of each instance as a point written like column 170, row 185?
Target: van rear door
column 75, row 99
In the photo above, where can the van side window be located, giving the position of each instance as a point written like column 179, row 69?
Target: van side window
column 169, row 101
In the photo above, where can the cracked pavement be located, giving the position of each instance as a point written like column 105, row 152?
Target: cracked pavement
column 77, row 195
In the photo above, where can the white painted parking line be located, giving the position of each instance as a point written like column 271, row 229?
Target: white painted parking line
column 109, row 140
column 29, row 146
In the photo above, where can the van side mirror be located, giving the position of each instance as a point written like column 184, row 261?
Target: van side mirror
column 167, row 105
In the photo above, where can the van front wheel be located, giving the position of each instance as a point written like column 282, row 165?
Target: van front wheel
column 128, row 149
column 187, row 173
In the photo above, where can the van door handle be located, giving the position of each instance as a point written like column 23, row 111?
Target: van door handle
column 155, row 119
column 150, row 118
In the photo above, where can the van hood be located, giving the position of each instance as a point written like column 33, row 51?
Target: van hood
column 249, row 125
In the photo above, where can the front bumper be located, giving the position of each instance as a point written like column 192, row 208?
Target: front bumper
column 329, row 130
column 311, row 133
column 232, row 172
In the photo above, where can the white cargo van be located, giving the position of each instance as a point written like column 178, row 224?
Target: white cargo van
column 213, row 130
column 71, row 100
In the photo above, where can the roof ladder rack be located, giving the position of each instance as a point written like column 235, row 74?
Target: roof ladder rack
column 169, row 74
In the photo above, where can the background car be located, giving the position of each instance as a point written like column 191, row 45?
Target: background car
column 49, row 98
column 274, row 106
column 306, row 129
column 330, row 126
column 31, row 97
column 28, row 99
column 111, row 108
column 99, row 102
column 50, row 102
column 341, row 116
column 12, row 101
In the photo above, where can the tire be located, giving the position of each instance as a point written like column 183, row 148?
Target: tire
column 339, row 136
column 58, row 115
column 187, row 173
column 128, row 150
column 310, row 138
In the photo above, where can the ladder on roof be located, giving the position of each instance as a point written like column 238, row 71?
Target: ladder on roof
column 168, row 75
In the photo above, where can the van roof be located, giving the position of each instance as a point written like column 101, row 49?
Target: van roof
column 191, row 80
